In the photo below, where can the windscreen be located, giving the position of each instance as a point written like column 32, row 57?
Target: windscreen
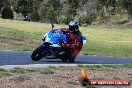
column 57, row 33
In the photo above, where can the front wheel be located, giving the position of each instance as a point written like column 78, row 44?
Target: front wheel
column 37, row 53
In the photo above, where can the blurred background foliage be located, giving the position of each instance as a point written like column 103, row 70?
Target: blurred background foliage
column 62, row 11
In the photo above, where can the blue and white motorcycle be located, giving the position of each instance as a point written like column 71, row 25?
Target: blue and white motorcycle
column 52, row 45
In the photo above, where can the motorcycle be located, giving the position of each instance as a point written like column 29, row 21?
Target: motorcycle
column 52, row 45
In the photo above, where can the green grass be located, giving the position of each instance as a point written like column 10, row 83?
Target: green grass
column 4, row 73
column 113, row 66
column 52, row 69
column 18, row 70
column 90, row 67
column 40, row 70
column 101, row 40
column 113, row 41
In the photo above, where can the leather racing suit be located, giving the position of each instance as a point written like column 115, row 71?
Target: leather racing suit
column 76, row 41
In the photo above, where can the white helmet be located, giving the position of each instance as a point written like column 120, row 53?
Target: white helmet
column 74, row 26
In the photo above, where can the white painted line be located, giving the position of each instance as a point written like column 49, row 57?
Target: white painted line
column 7, row 50
column 14, row 51
column 47, row 65
column 35, row 65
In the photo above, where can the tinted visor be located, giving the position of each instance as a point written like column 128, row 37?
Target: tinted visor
column 73, row 28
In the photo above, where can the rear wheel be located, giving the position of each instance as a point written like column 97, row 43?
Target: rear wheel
column 63, row 57
column 37, row 53
column 72, row 58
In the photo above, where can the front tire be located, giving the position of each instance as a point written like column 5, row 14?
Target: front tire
column 37, row 55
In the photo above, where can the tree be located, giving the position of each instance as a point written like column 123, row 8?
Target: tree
column 1, row 4
column 6, row 3
column 69, row 10
column 87, row 11
column 7, row 13
column 55, row 7
column 106, row 9
column 35, row 16
column 127, row 4
column 51, row 14
column 73, row 6
column 24, row 6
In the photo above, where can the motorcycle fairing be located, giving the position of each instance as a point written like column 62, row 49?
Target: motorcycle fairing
column 55, row 35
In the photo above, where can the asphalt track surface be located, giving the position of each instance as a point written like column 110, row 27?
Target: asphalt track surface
column 23, row 58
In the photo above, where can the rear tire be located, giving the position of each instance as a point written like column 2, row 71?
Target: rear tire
column 72, row 58
column 63, row 57
column 36, row 55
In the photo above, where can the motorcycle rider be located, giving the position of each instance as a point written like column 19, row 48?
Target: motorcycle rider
column 75, row 36
column 26, row 18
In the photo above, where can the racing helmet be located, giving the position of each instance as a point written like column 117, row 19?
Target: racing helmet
column 74, row 26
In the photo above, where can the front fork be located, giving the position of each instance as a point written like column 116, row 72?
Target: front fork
column 45, row 48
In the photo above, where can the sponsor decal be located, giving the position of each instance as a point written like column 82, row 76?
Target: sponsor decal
column 85, row 80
